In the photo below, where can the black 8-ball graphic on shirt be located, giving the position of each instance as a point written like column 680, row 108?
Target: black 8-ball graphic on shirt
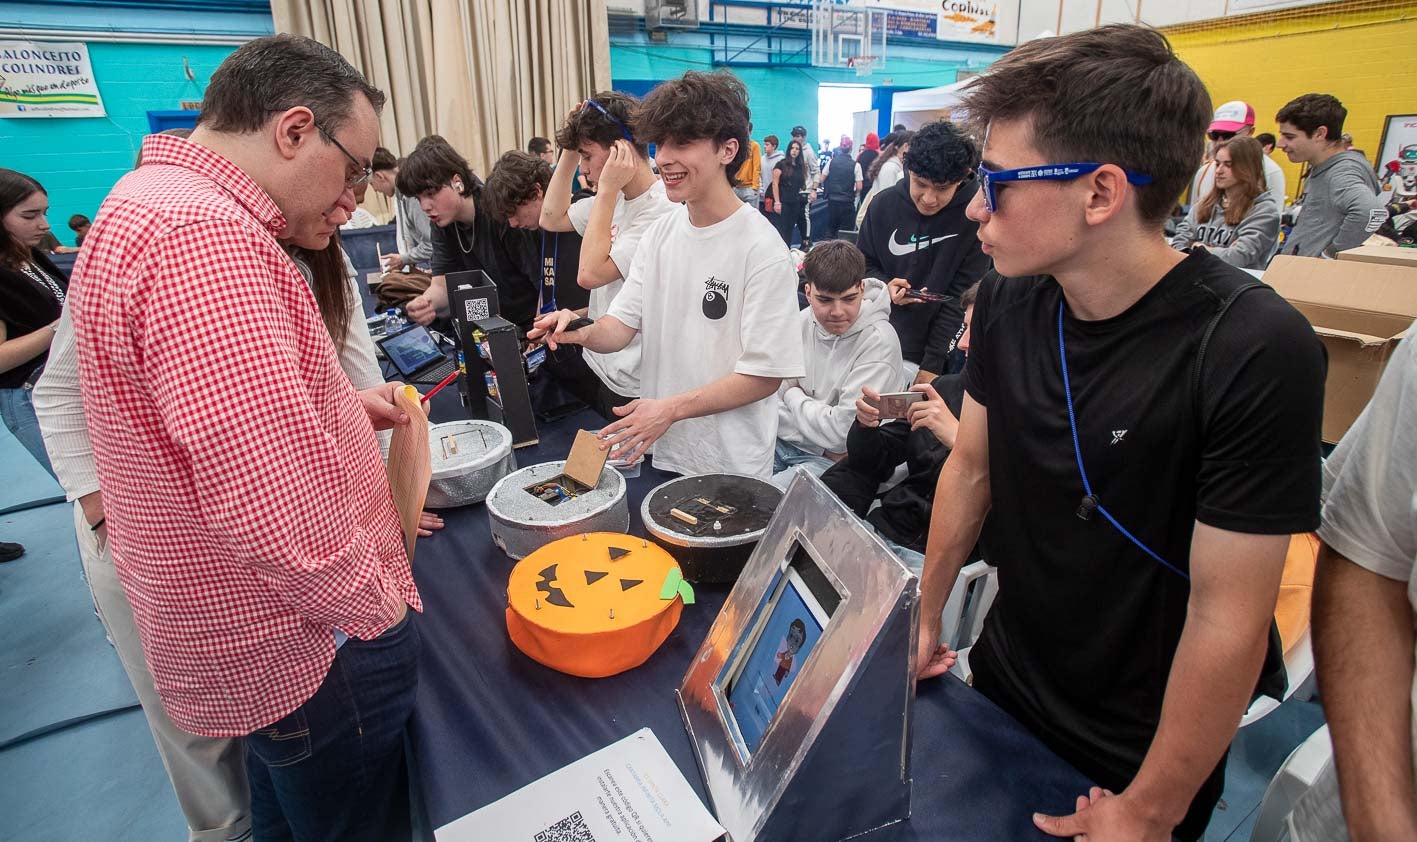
column 715, row 298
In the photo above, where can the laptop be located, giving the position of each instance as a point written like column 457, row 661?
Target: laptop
column 415, row 353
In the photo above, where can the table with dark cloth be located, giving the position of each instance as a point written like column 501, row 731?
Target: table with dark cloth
column 489, row 720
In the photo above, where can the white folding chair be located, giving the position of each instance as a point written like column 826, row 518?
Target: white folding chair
column 1293, row 779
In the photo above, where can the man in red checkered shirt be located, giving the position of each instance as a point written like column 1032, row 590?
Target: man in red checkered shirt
column 246, row 504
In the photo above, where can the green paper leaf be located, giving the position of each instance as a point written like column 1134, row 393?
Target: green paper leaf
column 686, row 592
column 670, row 588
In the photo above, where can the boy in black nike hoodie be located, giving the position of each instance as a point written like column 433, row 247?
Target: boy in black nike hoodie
column 916, row 238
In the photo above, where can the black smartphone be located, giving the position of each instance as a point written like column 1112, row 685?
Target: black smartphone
column 577, row 324
column 927, row 296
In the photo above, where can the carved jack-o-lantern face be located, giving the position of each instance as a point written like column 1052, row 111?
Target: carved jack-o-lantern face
column 591, row 603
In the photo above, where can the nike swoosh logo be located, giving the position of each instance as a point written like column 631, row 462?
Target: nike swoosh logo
column 901, row 249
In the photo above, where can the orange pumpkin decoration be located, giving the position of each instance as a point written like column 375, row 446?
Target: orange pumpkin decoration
column 590, row 605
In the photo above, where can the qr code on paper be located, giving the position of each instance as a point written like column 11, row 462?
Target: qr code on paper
column 570, row 829
column 476, row 309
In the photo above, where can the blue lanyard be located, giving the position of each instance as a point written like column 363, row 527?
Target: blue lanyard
column 1091, row 501
column 548, row 280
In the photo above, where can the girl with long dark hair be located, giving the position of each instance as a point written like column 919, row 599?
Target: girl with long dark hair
column 32, row 294
column 789, row 179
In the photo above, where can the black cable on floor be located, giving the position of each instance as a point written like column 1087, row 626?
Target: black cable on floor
column 46, row 730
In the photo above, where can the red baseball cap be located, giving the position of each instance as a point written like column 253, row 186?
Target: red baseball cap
column 1232, row 117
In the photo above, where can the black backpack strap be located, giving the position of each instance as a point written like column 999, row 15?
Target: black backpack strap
column 1205, row 343
column 1273, row 678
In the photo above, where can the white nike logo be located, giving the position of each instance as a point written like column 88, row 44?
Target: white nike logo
column 902, row 249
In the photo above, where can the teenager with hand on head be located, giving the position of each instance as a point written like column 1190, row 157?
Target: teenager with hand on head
column 1089, row 410
column 849, row 346
column 712, row 292
column 921, row 441
column 466, row 237
column 1238, row 220
column 515, row 193
column 1343, row 202
column 414, row 231
column 916, row 237
column 772, row 153
column 600, row 138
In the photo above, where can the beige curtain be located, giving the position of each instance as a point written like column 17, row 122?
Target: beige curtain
column 488, row 75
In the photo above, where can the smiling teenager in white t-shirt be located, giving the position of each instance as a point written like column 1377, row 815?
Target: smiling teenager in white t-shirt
column 598, row 137
column 711, row 293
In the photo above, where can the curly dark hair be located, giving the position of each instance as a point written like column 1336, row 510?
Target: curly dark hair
column 514, row 182
column 698, row 106
column 942, row 153
column 431, row 165
column 590, row 124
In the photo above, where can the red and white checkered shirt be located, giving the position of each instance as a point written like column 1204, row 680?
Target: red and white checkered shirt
column 247, row 506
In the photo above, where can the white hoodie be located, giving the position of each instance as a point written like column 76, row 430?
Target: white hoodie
column 815, row 412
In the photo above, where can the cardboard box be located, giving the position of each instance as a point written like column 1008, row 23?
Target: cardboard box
column 1390, row 255
column 1360, row 311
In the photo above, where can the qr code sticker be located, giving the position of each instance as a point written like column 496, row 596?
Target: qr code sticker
column 476, row 309
column 570, row 829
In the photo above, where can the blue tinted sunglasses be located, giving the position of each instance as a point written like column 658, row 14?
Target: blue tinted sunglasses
column 612, row 118
column 989, row 179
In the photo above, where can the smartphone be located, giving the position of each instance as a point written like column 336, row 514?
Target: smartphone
column 893, row 405
column 577, row 324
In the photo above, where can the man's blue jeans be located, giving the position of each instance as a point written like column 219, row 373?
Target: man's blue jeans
column 335, row 767
column 787, row 456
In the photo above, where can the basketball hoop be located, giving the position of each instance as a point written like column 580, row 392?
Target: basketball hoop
column 863, row 65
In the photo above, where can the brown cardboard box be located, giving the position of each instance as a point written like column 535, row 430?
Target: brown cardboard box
column 1360, row 311
column 1391, row 255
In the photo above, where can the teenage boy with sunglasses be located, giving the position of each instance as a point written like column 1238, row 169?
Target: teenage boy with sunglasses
column 1234, row 119
column 1098, row 399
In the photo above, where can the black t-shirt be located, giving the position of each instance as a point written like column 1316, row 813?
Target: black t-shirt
column 1079, row 644
column 26, row 305
column 508, row 255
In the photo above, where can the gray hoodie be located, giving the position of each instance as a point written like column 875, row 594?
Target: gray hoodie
column 770, row 160
column 1342, row 206
column 815, row 413
column 1248, row 245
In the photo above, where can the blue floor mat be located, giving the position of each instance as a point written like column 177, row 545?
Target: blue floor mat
column 55, row 661
column 99, row 780
column 25, row 481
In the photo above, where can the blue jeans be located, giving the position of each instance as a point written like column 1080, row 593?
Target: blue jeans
column 788, row 456
column 17, row 408
column 912, row 559
column 335, row 767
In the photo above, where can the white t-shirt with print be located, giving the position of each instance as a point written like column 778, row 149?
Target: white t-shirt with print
column 709, row 302
column 620, row 371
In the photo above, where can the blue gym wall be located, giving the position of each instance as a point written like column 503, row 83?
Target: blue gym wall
column 78, row 160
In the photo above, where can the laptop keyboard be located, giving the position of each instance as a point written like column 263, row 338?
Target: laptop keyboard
column 436, row 375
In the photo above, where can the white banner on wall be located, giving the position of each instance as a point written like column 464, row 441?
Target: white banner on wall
column 47, row 79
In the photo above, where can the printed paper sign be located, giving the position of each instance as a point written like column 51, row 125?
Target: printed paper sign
column 47, row 79
column 629, row 791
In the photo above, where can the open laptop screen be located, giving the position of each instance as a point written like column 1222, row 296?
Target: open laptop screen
column 411, row 349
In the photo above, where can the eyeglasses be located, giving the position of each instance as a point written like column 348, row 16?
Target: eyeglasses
column 1220, row 135
column 991, row 180
column 366, row 171
column 612, row 118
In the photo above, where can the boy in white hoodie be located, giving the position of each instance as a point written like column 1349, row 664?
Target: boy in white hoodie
column 849, row 344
